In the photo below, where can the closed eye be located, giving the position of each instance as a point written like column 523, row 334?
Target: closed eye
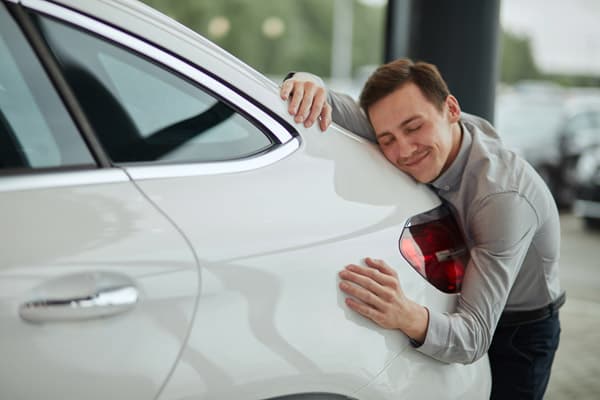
column 386, row 140
column 415, row 128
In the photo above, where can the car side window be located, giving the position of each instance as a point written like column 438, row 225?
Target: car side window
column 36, row 131
column 143, row 112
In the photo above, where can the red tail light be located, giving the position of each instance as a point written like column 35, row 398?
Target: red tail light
column 433, row 244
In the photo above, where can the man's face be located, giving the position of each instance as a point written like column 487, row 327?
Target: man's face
column 414, row 135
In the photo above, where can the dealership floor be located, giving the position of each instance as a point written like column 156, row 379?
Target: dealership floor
column 576, row 371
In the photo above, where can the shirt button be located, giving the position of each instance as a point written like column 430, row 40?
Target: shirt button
column 446, row 187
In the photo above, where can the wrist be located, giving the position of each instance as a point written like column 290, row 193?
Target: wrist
column 416, row 323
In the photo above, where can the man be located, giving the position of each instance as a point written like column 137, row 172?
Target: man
column 510, row 296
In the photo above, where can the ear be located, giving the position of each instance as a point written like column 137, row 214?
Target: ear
column 453, row 108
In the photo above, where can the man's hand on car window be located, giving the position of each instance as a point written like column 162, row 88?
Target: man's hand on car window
column 308, row 100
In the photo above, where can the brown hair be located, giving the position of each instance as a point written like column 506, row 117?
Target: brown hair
column 389, row 77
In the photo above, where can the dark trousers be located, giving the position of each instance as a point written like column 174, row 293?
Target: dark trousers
column 521, row 359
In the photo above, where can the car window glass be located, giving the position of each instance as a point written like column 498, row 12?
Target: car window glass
column 142, row 112
column 36, row 130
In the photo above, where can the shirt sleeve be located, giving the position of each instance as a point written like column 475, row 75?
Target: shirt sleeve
column 346, row 112
column 501, row 227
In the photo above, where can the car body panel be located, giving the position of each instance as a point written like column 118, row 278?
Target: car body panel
column 445, row 381
column 281, row 308
column 109, row 227
column 270, row 238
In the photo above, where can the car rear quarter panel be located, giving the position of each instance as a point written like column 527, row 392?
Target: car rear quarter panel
column 271, row 320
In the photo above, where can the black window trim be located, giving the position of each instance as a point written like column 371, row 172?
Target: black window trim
column 51, row 67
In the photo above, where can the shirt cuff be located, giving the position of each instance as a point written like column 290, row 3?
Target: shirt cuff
column 289, row 75
column 438, row 330
column 305, row 76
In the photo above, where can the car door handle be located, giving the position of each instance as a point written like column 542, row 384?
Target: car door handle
column 80, row 296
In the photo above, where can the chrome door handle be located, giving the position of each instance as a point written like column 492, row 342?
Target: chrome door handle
column 80, row 296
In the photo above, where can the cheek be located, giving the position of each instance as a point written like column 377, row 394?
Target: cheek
column 388, row 152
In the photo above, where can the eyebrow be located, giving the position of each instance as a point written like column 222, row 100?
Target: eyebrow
column 402, row 124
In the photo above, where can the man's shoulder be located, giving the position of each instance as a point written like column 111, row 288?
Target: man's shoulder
column 493, row 170
column 475, row 123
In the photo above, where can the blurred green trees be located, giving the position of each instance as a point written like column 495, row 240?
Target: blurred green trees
column 276, row 35
column 516, row 57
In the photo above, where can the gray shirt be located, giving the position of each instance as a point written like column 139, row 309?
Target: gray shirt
column 511, row 226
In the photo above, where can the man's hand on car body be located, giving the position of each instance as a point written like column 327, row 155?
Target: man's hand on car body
column 308, row 99
column 377, row 295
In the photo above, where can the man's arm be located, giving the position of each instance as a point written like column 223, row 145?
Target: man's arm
column 347, row 113
column 310, row 99
column 504, row 228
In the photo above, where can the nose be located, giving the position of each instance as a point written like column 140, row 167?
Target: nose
column 404, row 147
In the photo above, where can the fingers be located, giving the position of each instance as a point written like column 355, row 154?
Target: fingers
column 366, row 311
column 369, row 285
column 377, row 295
column 363, row 281
column 315, row 107
column 307, row 105
column 325, row 117
column 296, row 98
column 381, row 266
column 286, row 89
column 362, row 294
column 374, row 274
column 308, row 101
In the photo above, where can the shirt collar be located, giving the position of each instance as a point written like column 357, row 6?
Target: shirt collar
column 451, row 177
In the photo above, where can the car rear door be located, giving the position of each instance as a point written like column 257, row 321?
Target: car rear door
column 97, row 286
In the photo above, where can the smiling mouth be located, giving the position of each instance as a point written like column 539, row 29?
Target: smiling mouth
column 416, row 160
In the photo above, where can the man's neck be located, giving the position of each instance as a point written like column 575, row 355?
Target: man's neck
column 457, row 134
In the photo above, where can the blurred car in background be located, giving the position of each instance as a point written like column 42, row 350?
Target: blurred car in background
column 529, row 123
column 579, row 132
column 168, row 232
column 587, row 184
column 550, row 129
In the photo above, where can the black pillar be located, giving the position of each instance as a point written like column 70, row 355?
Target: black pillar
column 460, row 37
column 397, row 29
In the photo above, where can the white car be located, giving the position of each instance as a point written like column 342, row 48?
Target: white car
column 169, row 233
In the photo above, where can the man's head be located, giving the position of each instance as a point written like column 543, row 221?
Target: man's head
column 414, row 116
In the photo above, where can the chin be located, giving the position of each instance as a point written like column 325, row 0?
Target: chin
column 422, row 176
column 424, row 179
